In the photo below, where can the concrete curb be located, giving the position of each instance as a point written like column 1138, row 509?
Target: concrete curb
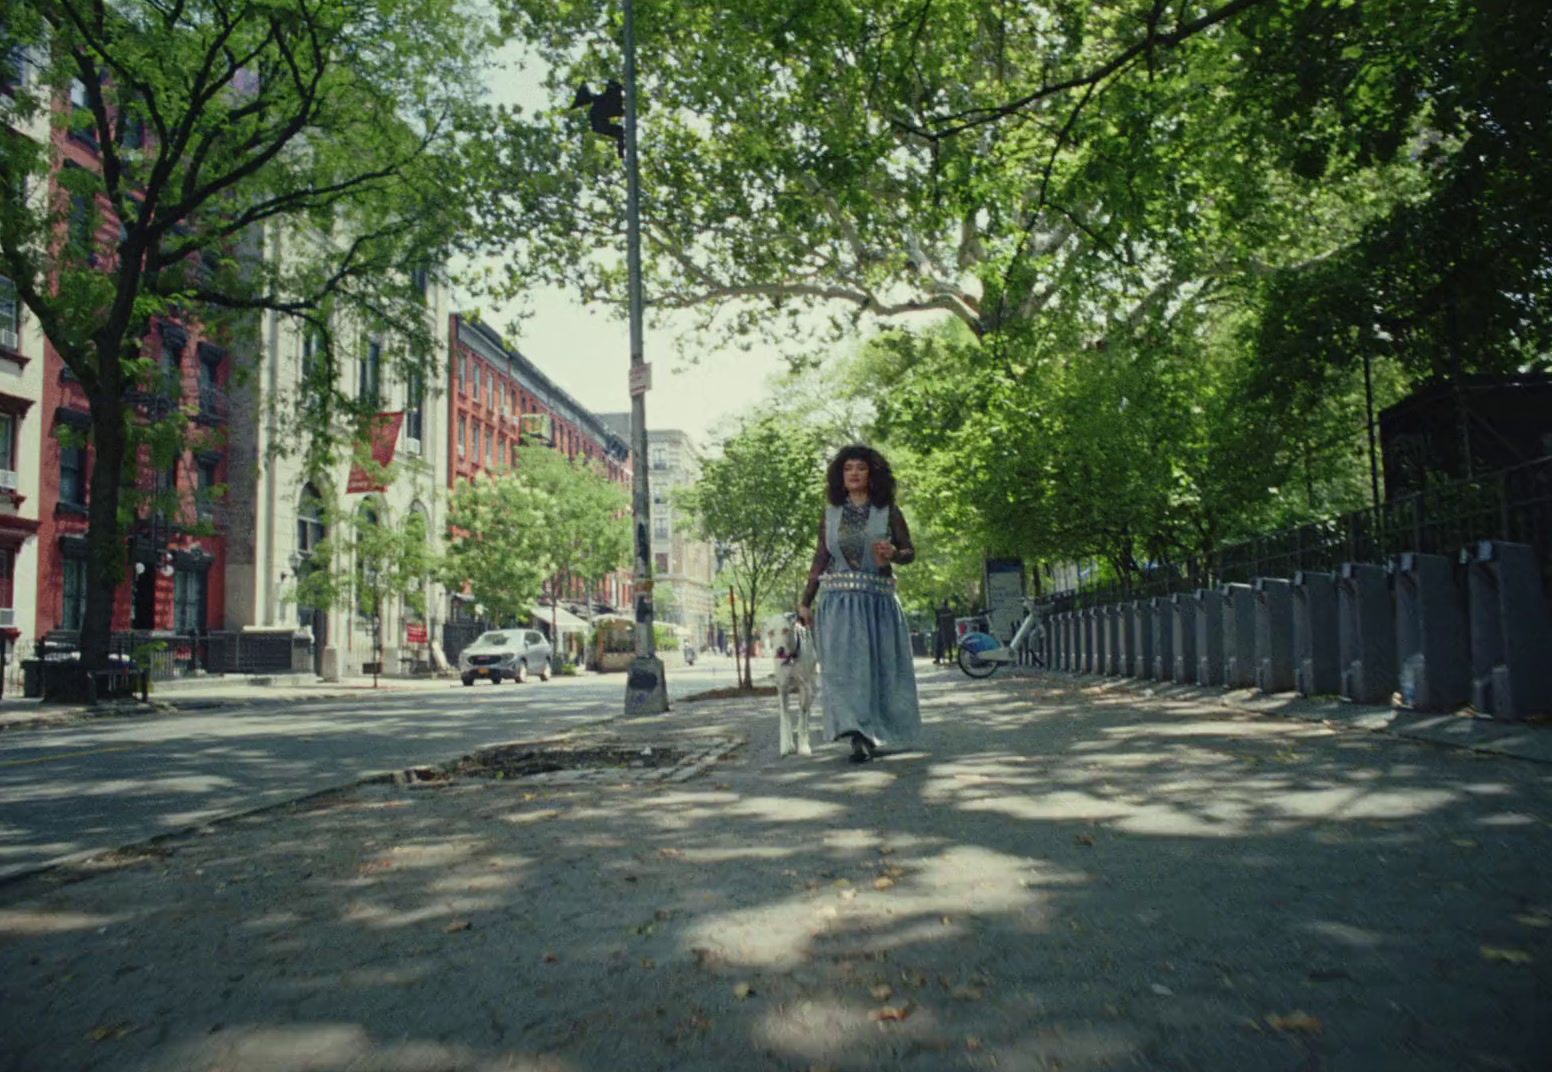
column 1529, row 741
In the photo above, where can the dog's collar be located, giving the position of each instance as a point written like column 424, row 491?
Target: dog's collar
column 797, row 649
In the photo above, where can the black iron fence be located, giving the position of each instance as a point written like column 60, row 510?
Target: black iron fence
column 1511, row 504
column 168, row 655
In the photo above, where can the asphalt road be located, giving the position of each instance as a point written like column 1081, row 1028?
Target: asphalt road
column 98, row 785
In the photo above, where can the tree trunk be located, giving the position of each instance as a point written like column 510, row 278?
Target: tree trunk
column 749, row 605
column 105, row 549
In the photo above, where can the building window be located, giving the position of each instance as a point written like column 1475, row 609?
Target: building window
column 420, row 281
column 312, row 351
column 310, row 532
column 660, row 528
column 463, row 371
column 8, row 448
column 490, row 446
column 366, row 573
column 74, row 609
column 477, row 384
column 10, row 316
column 660, row 562
column 463, row 429
column 72, row 469
column 7, row 579
column 414, row 411
column 659, row 458
column 81, row 230
column 368, row 372
column 205, row 494
column 188, row 601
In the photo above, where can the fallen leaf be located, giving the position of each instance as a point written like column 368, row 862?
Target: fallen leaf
column 1161, row 990
column 663, row 915
column 704, row 956
column 457, row 925
column 551, row 958
column 828, row 911
column 968, row 993
column 972, row 1044
column 848, row 895
column 742, row 990
column 670, row 854
column 1463, row 842
column 1507, row 956
column 883, row 882
column 891, row 1012
column 1298, row 1020
column 1083, row 839
column 882, row 992
column 720, row 786
column 647, row 962
column 886, row 850
column 1534, row 921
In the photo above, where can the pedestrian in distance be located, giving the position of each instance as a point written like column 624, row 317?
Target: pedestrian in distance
column 864, row 641
column 943, row 635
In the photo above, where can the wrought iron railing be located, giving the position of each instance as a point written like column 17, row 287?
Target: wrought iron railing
column 1511, row 504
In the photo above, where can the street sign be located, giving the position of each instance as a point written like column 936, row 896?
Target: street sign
column 640, row 379
column 415, row 632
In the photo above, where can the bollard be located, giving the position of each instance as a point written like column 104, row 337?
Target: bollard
column 1366, row 633
column 1433, row 643
column 1101, row 638
column 1085, row 639
column 1163, row 639
column 1239, row 636
column 1183, row 625
column 1124, row 641
column 1315, row 667
column 1274, row 634
column 1142, row 639
column 1511, row 632
column 1107, row 638
column 1209, row 636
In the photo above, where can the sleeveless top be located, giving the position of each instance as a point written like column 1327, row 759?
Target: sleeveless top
column 841, row 538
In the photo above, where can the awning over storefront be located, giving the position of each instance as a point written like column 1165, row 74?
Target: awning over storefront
column 564, row 620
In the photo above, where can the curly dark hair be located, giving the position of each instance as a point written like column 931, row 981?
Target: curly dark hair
column 881, row 478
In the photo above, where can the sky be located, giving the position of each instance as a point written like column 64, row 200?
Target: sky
column 587, row 350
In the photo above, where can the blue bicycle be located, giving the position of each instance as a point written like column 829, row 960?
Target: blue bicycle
column 980, row 654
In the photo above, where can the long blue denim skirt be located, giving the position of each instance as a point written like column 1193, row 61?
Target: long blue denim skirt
column 865, row 656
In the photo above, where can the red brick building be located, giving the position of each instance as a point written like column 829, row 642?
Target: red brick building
column 498, row 395
column 175, row 554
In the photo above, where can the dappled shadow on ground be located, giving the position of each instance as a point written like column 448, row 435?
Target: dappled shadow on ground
column 1056, row 880
column 109, row 785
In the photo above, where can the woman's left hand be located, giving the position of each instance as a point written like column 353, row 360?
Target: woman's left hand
column 883, row 551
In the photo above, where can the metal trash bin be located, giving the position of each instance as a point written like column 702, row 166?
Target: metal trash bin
column 1433, row 643
column 1274, row 634
column 1366, row 633
column 1142, row 639
column 1239, row 636
column 1316, row 671
column 1163, row 639
column 1511, row 632
column 1209, row 636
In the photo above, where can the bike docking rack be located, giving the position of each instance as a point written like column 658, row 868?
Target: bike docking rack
column 1432, row 602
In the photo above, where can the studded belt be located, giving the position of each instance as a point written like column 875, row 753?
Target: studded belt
column 857, row 582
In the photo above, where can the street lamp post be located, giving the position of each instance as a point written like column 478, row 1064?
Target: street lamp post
column 646, row 692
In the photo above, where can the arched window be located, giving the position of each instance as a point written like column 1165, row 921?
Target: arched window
column 417, row 529
column 310, row 532
column 367, row 520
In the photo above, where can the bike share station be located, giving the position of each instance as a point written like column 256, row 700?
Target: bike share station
column 1009, row 613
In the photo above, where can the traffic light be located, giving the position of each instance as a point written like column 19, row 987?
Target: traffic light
column 604, row 110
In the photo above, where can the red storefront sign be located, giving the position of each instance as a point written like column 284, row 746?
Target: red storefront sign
column 414, row 632
column 385, row 438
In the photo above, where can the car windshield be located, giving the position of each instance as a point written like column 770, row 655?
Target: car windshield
column 491, row 640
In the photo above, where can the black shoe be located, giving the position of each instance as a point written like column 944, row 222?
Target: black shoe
column 861, row 751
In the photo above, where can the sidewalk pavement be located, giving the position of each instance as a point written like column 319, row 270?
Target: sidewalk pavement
column 1065, row 876
column 211, row 693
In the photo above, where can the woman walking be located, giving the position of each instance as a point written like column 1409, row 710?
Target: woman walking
column 864, row 642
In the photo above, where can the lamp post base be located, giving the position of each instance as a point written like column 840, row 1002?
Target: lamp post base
column 646, row 693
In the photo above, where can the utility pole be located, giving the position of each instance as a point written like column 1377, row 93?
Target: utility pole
column 646, row 693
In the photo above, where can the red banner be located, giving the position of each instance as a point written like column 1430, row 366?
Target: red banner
column 414, row 632
column 385, row 438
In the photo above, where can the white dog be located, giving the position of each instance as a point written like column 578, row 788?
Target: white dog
column 797, row 670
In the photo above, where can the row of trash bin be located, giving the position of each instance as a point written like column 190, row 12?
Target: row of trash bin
column 1440, row 636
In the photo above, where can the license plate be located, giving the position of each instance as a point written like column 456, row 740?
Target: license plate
column 483, row 672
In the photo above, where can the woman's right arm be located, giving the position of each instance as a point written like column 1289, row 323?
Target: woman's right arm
column 820, row 564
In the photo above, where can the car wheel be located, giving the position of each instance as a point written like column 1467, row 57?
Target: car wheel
column 495, row 679
column 544, row 670
column 522, row 671
column 468, row 682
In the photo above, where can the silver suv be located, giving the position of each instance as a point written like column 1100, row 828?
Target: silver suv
column 510, row 654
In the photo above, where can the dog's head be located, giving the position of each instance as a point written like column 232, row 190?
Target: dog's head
column 784, row 637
